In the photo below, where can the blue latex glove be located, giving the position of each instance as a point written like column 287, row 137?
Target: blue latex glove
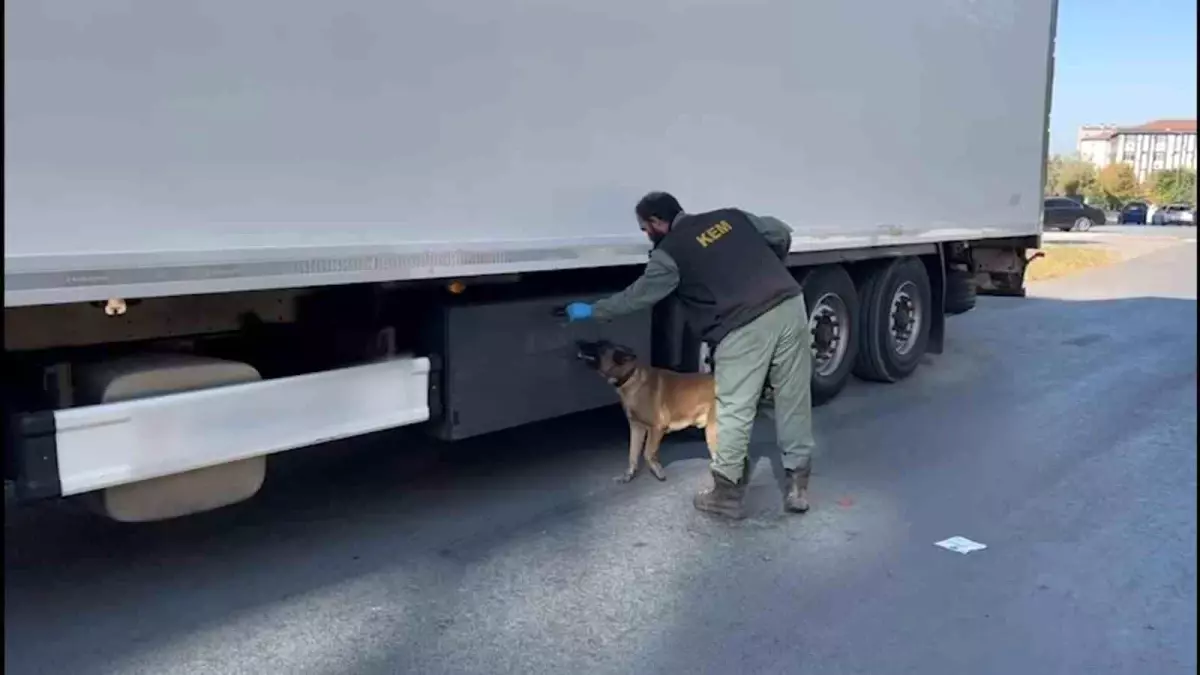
column 579, row 311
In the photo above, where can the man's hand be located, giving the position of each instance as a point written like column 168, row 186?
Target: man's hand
column 579, row 311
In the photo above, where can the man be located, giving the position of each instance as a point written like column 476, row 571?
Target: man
column 726, row 267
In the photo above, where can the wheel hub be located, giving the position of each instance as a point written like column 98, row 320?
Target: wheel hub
column 826, row 324
column 905, row 318
column 902, row 315
column 825, row 332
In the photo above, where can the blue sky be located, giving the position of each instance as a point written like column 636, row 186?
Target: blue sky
column 1122, row 62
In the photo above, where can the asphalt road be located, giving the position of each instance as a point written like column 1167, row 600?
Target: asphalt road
column 1059, row 430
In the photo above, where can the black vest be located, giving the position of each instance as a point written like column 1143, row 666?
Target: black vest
column 728, row 275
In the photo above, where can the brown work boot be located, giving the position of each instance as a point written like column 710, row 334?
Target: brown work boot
column 796, row 500
column 724, row 498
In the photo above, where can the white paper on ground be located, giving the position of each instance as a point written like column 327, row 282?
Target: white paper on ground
column 960, row 545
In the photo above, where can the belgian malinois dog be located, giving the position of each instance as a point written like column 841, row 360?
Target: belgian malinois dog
column 656, row 401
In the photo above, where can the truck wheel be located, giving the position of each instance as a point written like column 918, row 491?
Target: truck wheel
column 832, row 302
column 894, row 321
column 960, row 291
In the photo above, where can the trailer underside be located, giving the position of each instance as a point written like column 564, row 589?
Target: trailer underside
column 149, row 412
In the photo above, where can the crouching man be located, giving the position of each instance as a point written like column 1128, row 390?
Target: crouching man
column 727, row 269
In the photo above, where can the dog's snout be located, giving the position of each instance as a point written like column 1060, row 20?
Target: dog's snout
column 588, row 352
column 585, row 351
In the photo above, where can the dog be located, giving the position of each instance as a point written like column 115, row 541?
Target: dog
column 656, row 402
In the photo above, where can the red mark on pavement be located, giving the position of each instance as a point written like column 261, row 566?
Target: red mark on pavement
column 846, row 502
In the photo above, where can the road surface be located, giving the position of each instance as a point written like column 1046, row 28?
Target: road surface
column 1059, row 430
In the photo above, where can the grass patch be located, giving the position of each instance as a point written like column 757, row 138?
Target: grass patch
column 1060, row 261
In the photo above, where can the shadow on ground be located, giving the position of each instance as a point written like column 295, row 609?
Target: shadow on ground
column 84, row 596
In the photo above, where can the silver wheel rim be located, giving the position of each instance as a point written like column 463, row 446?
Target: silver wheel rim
column 905, row 317
column 1083, row 224
column 827, row 324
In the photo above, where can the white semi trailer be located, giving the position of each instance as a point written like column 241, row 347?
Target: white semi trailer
column 236, row 229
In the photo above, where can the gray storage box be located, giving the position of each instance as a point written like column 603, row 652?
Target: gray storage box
column 509, row 363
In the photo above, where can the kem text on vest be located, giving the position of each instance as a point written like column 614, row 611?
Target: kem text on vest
column 713, row 233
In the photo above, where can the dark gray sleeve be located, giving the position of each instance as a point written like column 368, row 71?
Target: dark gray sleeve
column 775, row 231
column 659, row 280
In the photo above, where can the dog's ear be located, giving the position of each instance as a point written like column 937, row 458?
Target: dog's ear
column 623, row 355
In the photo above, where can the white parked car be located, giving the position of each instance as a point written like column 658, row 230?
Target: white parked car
column 1174, row 214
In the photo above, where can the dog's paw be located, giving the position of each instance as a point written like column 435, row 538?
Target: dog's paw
column 625, row 477
column 658, row 471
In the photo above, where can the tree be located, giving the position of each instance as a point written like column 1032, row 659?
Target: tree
column 1118, row 184
column 1053, row 171
column 1054, row 165
column 1093, row 193
column 1076, row 178
column 1069, row 177
column 1172, row 186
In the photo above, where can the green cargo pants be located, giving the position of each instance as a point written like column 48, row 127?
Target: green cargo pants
column 776, row 348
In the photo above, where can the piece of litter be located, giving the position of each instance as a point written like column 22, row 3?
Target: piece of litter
column 960, row 545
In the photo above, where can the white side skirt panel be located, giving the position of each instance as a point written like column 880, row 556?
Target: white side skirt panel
column 112, row 444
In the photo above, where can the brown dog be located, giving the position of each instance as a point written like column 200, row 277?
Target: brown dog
column 656, row 401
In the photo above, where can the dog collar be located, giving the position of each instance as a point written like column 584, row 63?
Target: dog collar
column 621, row 381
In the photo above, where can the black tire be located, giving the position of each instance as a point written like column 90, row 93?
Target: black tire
column 960, row 291
column 880, row 357
column 832, row 302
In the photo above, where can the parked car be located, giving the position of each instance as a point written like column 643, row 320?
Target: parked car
column 1174, row 214
column 1133, row 213
column 1066, row 214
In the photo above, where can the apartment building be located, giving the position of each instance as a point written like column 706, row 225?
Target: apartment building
column 1154, row 146
column 1094, row 143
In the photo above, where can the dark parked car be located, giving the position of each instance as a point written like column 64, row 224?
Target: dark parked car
column 1134, row 213
column 1063, row 213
